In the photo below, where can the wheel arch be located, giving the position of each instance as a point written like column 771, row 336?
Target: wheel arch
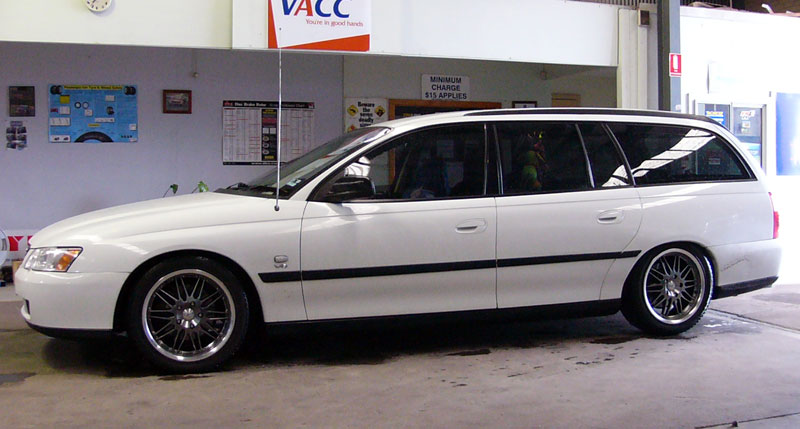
column 123, row 298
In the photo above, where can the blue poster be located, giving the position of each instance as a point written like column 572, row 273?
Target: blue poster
column 787, row 114
column 93, row 114
column 717, row 112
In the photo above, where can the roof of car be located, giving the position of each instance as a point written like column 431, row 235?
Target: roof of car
column 553, row 111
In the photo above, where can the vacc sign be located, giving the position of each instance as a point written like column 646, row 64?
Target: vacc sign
column 329, row 25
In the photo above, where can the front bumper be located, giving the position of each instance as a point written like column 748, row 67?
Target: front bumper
column 83, row 301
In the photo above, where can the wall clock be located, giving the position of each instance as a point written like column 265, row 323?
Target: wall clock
column 98, row 5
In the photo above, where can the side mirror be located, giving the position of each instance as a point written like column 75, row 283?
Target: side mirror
column 350, row 188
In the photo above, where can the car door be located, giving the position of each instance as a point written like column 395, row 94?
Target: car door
column 423, row 243
column 561, row 224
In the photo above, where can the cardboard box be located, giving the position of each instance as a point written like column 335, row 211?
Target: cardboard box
column 14, row 267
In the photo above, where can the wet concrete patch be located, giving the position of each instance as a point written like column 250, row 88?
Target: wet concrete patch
column 615, row 340
column 16, row 377
column 471, row 352
column 182, row 377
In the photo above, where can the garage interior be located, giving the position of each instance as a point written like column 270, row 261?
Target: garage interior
column 734, row 369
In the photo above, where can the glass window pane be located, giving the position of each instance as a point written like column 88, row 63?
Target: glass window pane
column 436, row 163
column 664, row 154
column 608, row 170
column 541, row 157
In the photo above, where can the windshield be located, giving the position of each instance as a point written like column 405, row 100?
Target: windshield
column 298, row 172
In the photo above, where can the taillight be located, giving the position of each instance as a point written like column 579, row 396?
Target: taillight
column 776, row 218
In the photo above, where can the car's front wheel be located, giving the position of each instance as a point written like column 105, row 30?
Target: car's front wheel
column 188, row 314
column 669, row 291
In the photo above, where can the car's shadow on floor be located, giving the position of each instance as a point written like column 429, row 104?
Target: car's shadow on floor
column 355, row 343
column 374, row 343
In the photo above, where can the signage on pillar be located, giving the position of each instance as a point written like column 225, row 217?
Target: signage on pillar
column 324, row 25
column 675, row 66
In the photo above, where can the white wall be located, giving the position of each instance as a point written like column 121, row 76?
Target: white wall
column 396, row 77
column 756, row 56
column 180, row 23
column 48, row 182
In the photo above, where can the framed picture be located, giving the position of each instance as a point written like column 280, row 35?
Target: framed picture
column 177, row 101
column 21, row 101
column 524, row 104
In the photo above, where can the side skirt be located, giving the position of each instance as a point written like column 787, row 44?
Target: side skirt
column 542, row 312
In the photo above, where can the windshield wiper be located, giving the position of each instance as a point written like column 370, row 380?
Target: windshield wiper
column 239, row 186
column 261, row 188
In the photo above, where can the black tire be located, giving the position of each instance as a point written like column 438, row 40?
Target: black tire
column 669, row 290
column 188, row 314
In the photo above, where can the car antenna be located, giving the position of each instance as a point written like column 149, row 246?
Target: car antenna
column 280, row 66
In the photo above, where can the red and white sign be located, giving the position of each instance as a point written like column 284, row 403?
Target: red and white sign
column 327, row 25
column 17, row 244
column 675, row 66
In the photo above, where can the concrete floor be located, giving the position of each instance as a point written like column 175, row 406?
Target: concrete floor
column 740, row 364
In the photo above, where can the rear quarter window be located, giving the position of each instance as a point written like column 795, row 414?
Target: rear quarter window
column 541, row 157
column 660, row 154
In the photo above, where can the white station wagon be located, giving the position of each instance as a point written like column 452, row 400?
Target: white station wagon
column 582, row 211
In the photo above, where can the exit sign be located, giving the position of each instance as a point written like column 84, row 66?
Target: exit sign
column 675, row 66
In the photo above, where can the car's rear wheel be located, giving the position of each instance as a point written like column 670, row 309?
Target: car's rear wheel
column 669, row 291
column 188, row 314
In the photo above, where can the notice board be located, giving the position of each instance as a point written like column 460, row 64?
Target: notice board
column 93, row 114
column 250, row 131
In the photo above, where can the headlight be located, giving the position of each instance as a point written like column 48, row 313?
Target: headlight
column 56, row 259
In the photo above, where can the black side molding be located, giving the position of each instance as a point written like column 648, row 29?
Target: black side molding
column 743, row 287
column 394, row 270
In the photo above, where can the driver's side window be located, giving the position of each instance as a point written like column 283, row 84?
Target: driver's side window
column 442, row 162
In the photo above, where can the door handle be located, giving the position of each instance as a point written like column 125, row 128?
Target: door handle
column 611, row 216
column 471, row 226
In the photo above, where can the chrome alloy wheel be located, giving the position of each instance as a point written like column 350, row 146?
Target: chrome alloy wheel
column 675, row 285
column 188, row 315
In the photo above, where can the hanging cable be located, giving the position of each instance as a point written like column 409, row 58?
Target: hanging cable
column 280, row 107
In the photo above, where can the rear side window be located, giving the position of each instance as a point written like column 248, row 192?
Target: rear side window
column 660, row 154
column 608, row 169
column 541, row 157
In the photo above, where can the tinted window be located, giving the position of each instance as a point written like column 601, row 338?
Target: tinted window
column 436, row 163
column 666, row 154
column 608, row 169
column 541, row 157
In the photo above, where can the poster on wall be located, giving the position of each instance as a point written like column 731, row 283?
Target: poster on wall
column 93, row 114
column 363, row 112
column 328, row 25
column 21, row 101
column 17, row 135
column 748, row 129
column 718, row 112
column 250, row 131
column 444, row 87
